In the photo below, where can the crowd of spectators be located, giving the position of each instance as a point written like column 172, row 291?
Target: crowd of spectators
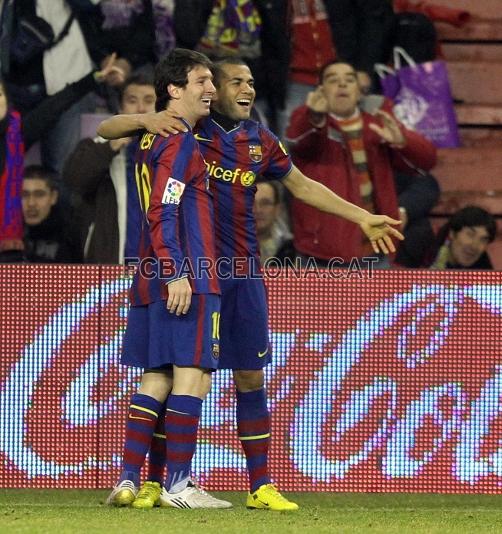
column 99, row 55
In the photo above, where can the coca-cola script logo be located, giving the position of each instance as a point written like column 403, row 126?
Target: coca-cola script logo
column 390, row 384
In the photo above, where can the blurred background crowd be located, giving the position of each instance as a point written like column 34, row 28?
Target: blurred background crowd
column 66, row 64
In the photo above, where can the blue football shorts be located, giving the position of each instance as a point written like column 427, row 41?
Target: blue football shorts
column 155, row 338
column 244, row 342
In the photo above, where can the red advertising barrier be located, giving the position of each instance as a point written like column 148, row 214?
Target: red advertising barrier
column 389, row 382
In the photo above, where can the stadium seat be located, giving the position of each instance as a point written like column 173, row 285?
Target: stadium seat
column 470, row 169
column 472, row 174
column 474, row 82
column 484, row 9
column 472, row 51
column 485, row 23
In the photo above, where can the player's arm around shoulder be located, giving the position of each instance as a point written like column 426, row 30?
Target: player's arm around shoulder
column 162, row 123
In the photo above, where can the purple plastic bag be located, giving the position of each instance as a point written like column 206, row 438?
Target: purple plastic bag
column 422, row 98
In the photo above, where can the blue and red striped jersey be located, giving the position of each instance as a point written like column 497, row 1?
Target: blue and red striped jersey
column 177, row 227
column 234, row 159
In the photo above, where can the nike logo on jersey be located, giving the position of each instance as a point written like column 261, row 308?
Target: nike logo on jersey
column 200, row 138
column 261, row 354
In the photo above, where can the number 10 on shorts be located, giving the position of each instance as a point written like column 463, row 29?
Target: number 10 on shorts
column 216, row 325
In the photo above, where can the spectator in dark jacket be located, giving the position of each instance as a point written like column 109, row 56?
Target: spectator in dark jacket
column 100, row 173
column 462, row 242
column 417, row 195
column 50, row 236
column 21, row 132
column 75, row 51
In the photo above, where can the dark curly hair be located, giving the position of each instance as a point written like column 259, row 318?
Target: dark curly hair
column 174, row 69
column 471, row 216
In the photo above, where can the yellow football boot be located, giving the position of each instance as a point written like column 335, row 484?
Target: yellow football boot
column 148, row 496
column 123, row 494
column 267, row 497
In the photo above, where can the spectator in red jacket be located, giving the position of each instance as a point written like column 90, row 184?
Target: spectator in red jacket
column 357, row 31
column 354, row 154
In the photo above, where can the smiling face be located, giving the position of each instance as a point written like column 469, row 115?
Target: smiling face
column 236, row 93
column 341, row 89
column 467, row 245
column 193, row 100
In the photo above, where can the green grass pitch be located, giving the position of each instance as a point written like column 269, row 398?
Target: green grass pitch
column 83, row 512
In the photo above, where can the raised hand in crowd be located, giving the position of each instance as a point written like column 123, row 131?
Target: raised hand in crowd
column 114, row 71
column 318, row 106
column 390, row 131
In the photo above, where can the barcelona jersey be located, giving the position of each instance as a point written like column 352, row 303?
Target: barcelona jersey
column 234, row 159
column 177, row 229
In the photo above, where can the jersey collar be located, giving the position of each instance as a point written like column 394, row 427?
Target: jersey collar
column 224, row 122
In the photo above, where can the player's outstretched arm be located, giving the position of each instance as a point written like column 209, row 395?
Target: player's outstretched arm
column 163, row 123
column 377, row 228
column 379, row 231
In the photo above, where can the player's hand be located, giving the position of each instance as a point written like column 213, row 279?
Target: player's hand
column 390, row 131
column 117, row 144
column 163, row 123
column 379, row 230
column 180, row 296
